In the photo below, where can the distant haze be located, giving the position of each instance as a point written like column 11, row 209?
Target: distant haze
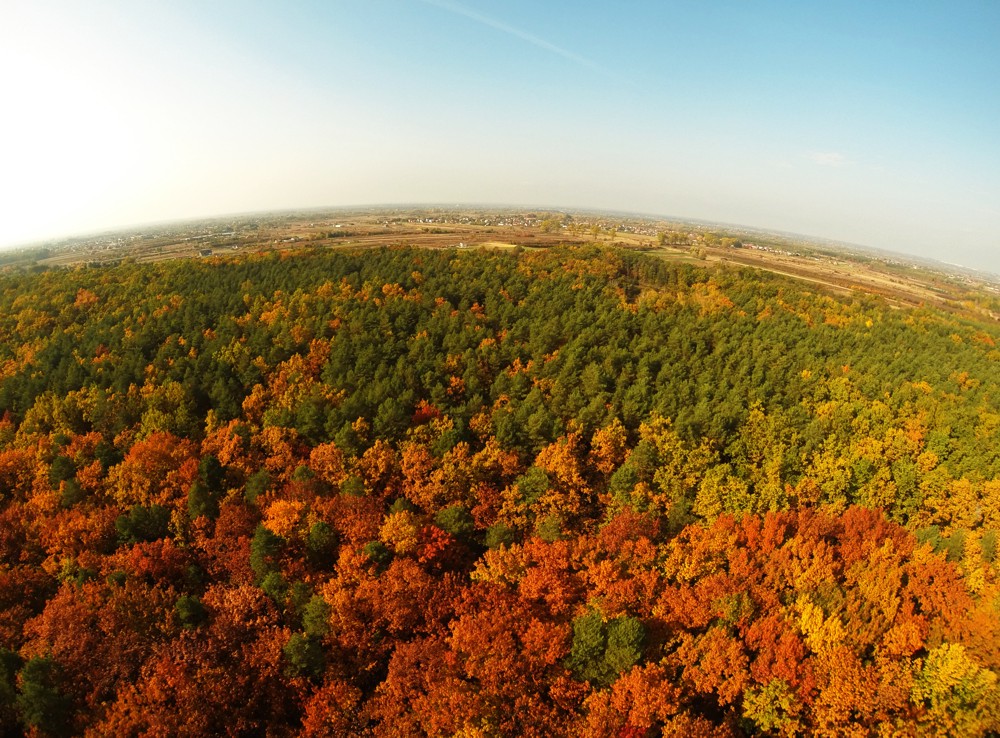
column 874, row 123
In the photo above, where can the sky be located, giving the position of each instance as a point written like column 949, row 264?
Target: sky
column 875, row 123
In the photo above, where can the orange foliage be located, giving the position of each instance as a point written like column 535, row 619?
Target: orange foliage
column 229, row 444
column 608, row 447
column 327, row 461
column 156, row 471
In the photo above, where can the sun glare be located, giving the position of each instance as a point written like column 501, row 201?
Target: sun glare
column 67, row 145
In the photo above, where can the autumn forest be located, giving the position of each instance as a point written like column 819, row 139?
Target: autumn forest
column 573, row 491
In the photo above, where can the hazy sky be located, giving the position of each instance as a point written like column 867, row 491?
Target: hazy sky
column 872, row 122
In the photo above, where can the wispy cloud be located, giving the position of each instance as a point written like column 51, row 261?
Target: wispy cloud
column 541, row 43
column 828, row 158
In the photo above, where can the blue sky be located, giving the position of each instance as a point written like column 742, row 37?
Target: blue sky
column 870, row 122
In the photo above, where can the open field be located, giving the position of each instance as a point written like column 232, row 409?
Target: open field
column 887, row 276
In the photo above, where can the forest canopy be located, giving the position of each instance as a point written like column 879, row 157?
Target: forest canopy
column 578, row 491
